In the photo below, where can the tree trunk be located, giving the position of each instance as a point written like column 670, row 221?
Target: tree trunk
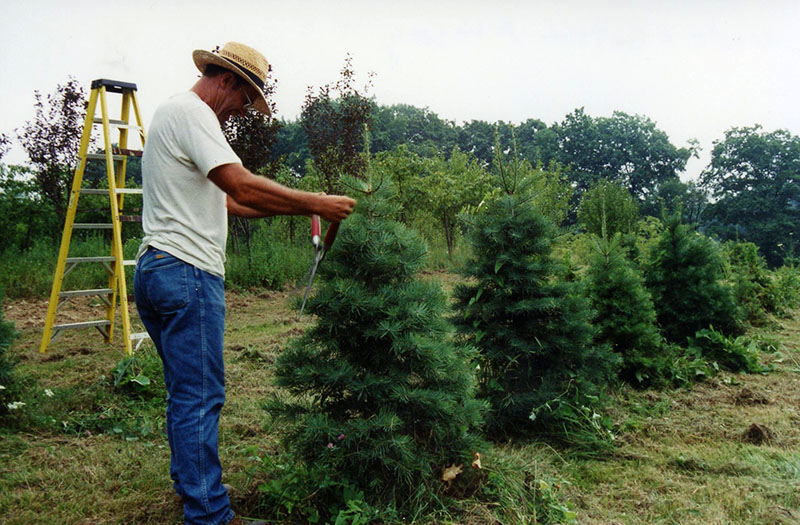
column 448, row 235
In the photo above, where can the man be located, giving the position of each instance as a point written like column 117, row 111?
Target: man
column 192, row 179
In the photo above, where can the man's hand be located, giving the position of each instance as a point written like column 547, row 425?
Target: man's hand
column 334, row 208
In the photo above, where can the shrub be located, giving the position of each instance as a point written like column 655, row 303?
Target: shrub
column 29, row 273
column 136, row 375
column 270, row 261
column 10, row 387
column 787, row 287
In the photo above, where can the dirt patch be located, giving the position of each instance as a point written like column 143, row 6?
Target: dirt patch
column 747, row 397
column 758, row 434
column 25, row 313
column 31, row 313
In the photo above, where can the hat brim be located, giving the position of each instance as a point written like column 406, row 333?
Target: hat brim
column 202, row 58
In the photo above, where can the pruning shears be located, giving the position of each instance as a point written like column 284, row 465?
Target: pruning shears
column 320, row 248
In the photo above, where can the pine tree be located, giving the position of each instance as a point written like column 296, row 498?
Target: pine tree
column 531, row 326
column 381, row 395
column 625, row 316
column 684, row 276
column 753, row 289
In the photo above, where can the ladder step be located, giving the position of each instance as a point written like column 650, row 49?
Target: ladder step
column 102, row 156
column 92, row 226
column 82, row 293
column 118, row 124
column 90, row 259
column 139, row 338
column 83, row 324
column 126, row 262
column 101, row 191
column 104, row 226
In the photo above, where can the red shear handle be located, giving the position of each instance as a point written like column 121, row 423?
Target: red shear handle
column 330, row 235
column 316, row 230
column 315, row 227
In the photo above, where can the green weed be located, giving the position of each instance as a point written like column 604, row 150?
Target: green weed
column 739, row 354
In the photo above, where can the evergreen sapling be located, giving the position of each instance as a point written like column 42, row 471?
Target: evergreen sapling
column 753, row 288
column 381, row 397
column 539, row 366
column 625, row 316
column 684, row 276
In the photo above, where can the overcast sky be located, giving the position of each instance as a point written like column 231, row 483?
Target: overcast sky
column 697, row 68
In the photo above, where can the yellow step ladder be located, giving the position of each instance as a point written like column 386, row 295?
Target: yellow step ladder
column 115, row 157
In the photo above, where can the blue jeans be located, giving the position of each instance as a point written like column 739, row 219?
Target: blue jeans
column 183, row 310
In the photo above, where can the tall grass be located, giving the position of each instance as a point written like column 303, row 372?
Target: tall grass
column 272, row 261
column 440, row 260
column 29, row 273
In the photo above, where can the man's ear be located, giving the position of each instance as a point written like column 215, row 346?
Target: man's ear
column 229, row 80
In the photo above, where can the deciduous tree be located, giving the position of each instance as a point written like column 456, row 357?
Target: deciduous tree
column 335, row 121
column 450, row 186
column 627, row 149
column 5, row 144
column 606, row 209
column 754, row 178
column 52, row 141
column 421, row 130
column 673, row 196
column 24, row 214
column 252, row 136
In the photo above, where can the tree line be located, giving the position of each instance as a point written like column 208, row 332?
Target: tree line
column 749, row 191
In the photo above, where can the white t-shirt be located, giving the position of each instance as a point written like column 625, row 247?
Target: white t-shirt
column 184, row 213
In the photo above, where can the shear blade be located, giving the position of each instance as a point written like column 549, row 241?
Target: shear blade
column 317, row 260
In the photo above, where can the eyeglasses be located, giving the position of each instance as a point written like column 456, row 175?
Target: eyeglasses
column 250, row 103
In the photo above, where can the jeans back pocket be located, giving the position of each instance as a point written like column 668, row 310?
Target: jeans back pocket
column 166, row 282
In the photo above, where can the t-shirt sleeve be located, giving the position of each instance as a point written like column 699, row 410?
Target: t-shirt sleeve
column 202, row 141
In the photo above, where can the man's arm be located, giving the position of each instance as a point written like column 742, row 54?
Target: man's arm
column 234, row 208
column 253, row 195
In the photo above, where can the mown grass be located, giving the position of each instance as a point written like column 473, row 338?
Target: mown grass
column 689, row 456
column 94, row 452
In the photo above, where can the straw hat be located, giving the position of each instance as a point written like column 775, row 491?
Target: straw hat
column 243, row 60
